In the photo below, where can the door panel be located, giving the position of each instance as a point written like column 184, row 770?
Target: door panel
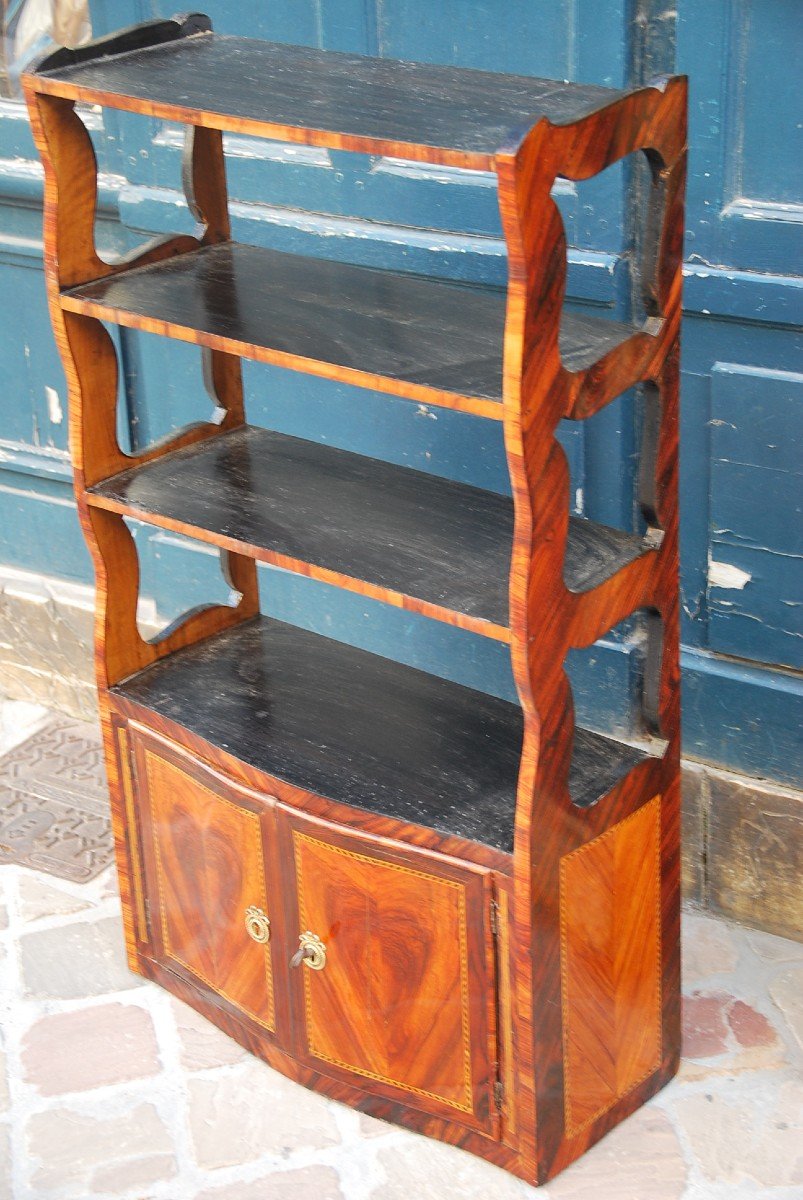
column 404, row 996
column 205, row 869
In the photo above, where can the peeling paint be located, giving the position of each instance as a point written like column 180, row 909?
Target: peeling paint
column 725, row 575
column 54, row 409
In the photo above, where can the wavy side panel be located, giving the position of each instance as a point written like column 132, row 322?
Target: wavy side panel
column 547, row 620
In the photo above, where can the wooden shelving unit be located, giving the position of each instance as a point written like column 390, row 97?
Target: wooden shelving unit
column 448, row 910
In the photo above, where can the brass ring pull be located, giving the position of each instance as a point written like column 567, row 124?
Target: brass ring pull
column 311, row 952
column 257, row 924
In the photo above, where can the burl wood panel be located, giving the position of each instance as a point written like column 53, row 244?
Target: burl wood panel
column 207, row 866
column 403, row 998
column 610, row 908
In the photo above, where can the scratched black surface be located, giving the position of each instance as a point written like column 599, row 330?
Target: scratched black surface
column 361, row 729
column 425, row 537
column 424, row 331
column 473, row 112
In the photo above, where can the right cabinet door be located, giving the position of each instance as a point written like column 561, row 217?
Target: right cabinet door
column 393, row 984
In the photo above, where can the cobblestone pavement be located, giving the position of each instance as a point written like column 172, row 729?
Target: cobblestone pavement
column 111, row 1089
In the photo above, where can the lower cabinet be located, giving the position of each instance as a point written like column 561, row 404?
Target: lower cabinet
column 363, row 959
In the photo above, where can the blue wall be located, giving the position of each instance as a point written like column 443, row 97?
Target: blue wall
column 741, row 393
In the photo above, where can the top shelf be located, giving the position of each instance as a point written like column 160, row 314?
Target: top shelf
column 446, row 115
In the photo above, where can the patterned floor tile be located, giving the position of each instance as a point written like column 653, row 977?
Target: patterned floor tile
column 54, row 815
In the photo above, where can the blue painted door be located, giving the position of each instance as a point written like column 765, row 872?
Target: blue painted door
column 741, row 395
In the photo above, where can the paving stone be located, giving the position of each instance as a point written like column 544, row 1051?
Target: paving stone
column 704, row 1030
column 75, row 1152
column 709, row 948
column 372, row 1128
column 750, row 1027
column 426, row 1170
column 718, row 1023
column 38, row 898
column 138, row 1173
column 5, row 1162
column 89, row 1048
column 640, row 1159
column 202, row 1044
column 736, row 1144
column 310, row 1183
column 83, row 959
column 248, row 1111
column 787, row 992
column 110, row 884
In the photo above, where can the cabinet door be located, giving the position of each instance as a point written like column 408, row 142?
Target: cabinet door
column 209, row 896
column 402, row 1005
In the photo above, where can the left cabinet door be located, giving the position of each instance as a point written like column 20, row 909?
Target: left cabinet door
column 208, row 881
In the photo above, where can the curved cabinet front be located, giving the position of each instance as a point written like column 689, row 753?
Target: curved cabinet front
column 402, row 1004
column 208, row 883
column 366, row 961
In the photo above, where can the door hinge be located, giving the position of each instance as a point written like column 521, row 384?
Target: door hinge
column 498, row 1095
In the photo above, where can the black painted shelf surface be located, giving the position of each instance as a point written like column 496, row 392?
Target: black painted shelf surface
column 362, row 730
column 320, row 97
column 304, row 312
column 412, row 533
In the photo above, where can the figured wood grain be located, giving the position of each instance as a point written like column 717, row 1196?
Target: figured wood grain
column 426, row 339
column 90, row 365
column 337, row 731
column 132, row 833
column 450, row 115
column 539, row 392
column 343, row 517
column 361, row 729
column 394, row 1002
column 354, row 1093
column 610, row 902
column 208, row 869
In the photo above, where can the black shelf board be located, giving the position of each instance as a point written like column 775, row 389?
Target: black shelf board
column 415, row 534
column 382, row 324
column 362, row 730
column 323, row 97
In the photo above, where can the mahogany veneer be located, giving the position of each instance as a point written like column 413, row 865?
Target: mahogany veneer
column 447, row 910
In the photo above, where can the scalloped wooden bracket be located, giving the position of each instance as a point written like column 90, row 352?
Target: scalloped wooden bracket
column 123, row 41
